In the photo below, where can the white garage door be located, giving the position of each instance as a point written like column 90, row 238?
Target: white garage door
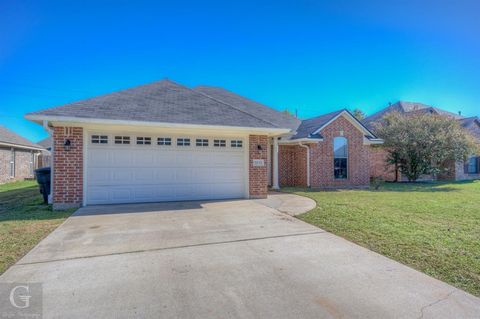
column 123, row 168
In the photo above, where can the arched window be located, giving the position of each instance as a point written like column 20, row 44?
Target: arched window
column 340, row 157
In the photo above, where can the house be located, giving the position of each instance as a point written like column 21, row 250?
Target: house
column 456, row 170
column 166, row 142
column 18, row 156
column 45, row 159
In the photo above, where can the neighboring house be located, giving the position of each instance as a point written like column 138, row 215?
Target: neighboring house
column 45, row 159
column 18, row 156
column 458, row 171
column 165, row 142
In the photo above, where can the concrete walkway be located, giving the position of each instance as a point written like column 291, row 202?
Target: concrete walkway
column 288, row 203
column 225, row 259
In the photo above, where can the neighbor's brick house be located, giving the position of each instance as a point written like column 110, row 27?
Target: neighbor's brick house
column 18, row 156
column 164, row 141
column 454, row 170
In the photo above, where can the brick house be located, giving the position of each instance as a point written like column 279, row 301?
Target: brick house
column 166, row 142
column 460, row 170
column 18, row 156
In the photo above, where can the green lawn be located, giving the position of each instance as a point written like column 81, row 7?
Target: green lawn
column 24, row 220
column 432, row 227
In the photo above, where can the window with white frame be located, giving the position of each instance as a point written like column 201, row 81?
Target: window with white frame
column 122, row 139
column 236, row 143
column 219, row 143
column 99, row 139
column 183, row 141
column 201, row 142
column 164, row 141
column 143, row 140
column 340, row 157
column 30, row 164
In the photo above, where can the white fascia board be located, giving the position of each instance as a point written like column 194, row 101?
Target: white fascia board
column 21, row 146
column 349, row 117
column 301, row 140
column 63, row 120
column 373, row 141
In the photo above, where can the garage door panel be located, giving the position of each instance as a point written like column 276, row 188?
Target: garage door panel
column 150, row 173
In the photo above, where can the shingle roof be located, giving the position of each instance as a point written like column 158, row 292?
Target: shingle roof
column 471, row 124
column 46, row 142
column 277, row 118
column 164, row 101
column 406, row 107
column 308, row 127
column 10, row 137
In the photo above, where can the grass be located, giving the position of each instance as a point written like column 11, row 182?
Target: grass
column 432, row 227
column 24, row 220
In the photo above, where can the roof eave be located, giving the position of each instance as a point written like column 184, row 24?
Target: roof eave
column 7, row 144
column 301, row 140
column 38, row 118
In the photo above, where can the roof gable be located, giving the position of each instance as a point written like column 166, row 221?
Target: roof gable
column 312, row 128
column 9, row 137
column 163, row 102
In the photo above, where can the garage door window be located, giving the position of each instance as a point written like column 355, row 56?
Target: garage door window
column 144, row 140
column 201, row 142
column 183, row 142
column 236, row 143
column 219, row 143
column 122, row 139
column 167, row 141
column 99, row 139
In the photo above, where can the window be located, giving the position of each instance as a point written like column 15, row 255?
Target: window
column 164, row 141
column 122, row 139
column 219, row 143
column 99, row 139
column 236, row 143
column 144, row 140
column 183, row 142
column 201, row 142
column 473, row 165
column 340, row 157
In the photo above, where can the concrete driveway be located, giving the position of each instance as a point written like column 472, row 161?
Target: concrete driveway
column 227, row 259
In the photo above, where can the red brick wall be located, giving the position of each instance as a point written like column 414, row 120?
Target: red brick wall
column 378, row 164
column 67, row 167
column 257, row 175
column 321, row 157
column 292, row 165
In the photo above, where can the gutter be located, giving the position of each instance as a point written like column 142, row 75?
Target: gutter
column 22, row 146
column 308, row 162
column 43, row 118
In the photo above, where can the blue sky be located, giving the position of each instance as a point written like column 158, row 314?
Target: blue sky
column 313, row 56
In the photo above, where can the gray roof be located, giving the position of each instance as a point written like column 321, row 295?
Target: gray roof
column 406, row 107
column 10, row 137
column 46, row 142
column 472, row 125
column 164, row 101
column 308, row 127
column 280, row 119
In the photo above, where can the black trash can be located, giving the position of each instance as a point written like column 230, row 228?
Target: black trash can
column 43, row 176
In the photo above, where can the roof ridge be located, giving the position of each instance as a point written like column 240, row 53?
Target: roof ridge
column 220, row 101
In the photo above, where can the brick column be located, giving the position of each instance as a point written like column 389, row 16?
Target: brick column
column 257, row 175
column 67, row 167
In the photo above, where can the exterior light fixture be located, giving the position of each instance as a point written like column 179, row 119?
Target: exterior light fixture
column 67, row 144
column 259, row 147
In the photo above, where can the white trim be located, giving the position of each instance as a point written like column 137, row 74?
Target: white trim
column 247, row 166
column 308, row 162
column 86, row 134
column 349, row 117
column 71, row 120
column 7, row 144
column 301, row 140
column 373, row 141
column 275, row 164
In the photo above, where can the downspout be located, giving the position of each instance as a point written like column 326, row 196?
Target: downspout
column 308, row 162
column 50, row 132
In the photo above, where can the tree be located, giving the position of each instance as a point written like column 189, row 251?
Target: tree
column 358, row 114
column 423, row 144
